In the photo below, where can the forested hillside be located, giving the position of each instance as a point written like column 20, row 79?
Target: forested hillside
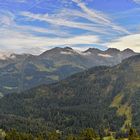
column 103, row 98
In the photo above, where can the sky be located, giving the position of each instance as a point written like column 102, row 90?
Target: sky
column 34, row 26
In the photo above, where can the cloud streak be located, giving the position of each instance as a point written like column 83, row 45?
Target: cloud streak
column 99, row 17
column 137, row 1
column 19, row 41
column 99, row 22
column 22, row 38
column 63, row 22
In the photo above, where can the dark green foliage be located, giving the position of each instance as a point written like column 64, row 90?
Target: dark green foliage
column 81, row 101
column 85, row 134
column 14, row 135
column 69, row 105
column 89, row 134
column 71, row 137
column 54, row 135
column 133, row 135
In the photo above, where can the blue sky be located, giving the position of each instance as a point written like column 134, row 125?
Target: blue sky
column 33, row 26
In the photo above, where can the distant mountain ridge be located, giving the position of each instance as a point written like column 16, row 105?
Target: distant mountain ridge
column 4, row 56
column 25, row 71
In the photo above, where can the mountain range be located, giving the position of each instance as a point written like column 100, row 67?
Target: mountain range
column 19, row 72
column 105, row 98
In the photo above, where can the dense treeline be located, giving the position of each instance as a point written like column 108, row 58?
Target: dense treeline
column 101, row 98
column 65, row 105
column 86, row 134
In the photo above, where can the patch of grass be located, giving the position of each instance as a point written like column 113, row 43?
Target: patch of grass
column 58, row 65
column 41, row 67
column 127, row 111
column 109, row 138
column 117, row 100
column 53, row 77
column 123, row 110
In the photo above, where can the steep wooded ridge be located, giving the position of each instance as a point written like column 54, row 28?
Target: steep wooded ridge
column 21, row 72
column 102, row 98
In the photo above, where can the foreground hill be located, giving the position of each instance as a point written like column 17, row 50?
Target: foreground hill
column 104, row 98
column 21, row 72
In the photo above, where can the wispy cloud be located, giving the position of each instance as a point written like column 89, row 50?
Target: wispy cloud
column 137, row 1
column 19, row 42
column 17, row 38
column 99, row 22
column 99, row 17
column 8, row 22
column 63, row 22
column 7, row 18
